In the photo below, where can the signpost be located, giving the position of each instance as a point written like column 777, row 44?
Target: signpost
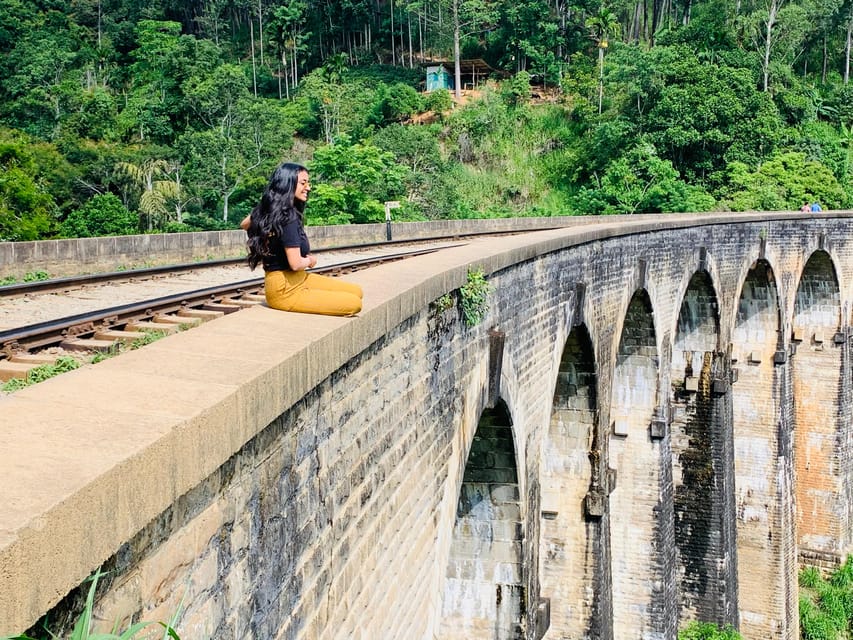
column 391, row 204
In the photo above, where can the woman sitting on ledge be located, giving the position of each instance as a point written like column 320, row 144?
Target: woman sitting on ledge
column 277, row 240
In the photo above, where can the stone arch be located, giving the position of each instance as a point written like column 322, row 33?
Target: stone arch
column 635, row 456
column 817, row 368
column 761, row 460
column 566, row 553
column 701, row 455
column 483, row 586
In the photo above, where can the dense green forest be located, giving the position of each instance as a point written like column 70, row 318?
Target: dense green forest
column 118, row 116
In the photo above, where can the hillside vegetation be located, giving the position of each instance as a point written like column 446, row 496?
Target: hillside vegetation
column 118, row 116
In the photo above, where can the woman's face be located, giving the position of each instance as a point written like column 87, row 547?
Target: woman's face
column 302, row 187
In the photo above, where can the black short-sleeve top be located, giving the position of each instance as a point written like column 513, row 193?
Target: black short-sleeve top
column 293, row 235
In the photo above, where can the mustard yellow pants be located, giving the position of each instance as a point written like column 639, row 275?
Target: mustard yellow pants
column 311, row 293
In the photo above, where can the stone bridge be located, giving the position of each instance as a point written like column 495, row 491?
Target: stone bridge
column 651, row 425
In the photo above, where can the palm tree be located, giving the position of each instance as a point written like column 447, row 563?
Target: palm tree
column 152, row 201
column 602, row 26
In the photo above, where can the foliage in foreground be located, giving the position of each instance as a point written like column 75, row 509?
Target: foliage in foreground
column 68, row 363
column 826, row 605
column 40, row 373
column 708, row 631
column 83, row 628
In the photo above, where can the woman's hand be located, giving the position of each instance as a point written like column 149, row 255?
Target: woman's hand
column 296, row 261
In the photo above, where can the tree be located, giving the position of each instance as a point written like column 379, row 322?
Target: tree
column 364, row 176
column 341, row 107
column 466, row 18
column 41, row 76
column 783, row 183
column 847, row 13
column 602, row 26
column 289, row 37
column 395, row 104
column 777, row 29
column 246, row 137
column 151, row 202
column 26, row 211
column 641, row 182
column 699, row 116
column 529, row 34
column 154, row 88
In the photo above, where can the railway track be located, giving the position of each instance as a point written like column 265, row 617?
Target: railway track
column 63, row 285
column 110, row 329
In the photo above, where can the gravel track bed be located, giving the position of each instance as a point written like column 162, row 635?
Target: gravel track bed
column 19, row 312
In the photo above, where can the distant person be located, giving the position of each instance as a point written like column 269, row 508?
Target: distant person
column 806, row 207
column 277, row 240
column 816, row 207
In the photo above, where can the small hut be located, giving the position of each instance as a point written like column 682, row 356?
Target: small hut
column 474, row 72
column 438, row 77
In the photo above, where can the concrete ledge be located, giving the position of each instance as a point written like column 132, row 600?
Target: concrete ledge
column 94, row 455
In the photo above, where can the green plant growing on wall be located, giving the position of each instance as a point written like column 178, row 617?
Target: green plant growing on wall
column 83, row 627
column 443, row 303
column 473, row 297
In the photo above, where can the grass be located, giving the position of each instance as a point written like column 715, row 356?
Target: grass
column 118, row 348
column 41, row 372
column 826, row 605
column 69, row 363
column 30, row 276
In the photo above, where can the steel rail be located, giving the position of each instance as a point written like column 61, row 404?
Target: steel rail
column 53, row 332
column 51, row 284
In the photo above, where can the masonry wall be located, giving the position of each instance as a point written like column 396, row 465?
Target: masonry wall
column 335, row 518
column 76, row 256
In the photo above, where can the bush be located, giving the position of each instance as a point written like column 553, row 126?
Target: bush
column 516, row 91
column 102, row 215
column 396, row 103
column 438, row 101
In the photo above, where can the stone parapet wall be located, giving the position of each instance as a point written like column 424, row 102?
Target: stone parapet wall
column 285, row 475
column 77, row 256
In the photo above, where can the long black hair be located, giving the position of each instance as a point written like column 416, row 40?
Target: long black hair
column 276, row 208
